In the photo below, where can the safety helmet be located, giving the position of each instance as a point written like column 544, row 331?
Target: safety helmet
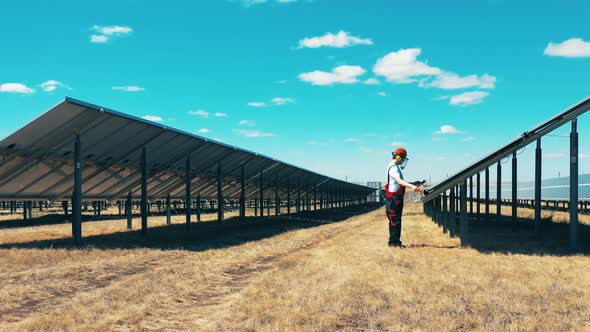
column 400, row 154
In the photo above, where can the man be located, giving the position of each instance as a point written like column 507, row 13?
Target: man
column 394, row 195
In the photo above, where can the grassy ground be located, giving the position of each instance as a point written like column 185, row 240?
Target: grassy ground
column 276, row 274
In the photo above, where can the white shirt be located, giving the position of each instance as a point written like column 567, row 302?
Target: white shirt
column 393, row 185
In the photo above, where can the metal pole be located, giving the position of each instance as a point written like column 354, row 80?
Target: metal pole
column 471, row 194
column 452, row 217
column 487, row 193
column 220, row 201
column 243, row 193
column 514, row 196
column 463, row 221
column 144, row 202
column 445, row 215
column 499, row 192
column 574, row 185
column 477, row 197
column 538, row 164
column 277, row 203
column 77, row 196
column 261, row 194
column 288, row 195
column 168, row 216
column 187, row 192
column 315, row 198
column 298, row 209
column 128, row 211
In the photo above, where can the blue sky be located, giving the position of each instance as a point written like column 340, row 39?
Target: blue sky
column 329, row 85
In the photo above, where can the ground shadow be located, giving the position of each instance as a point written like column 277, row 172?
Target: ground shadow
column 207, row 235
column 519, row 237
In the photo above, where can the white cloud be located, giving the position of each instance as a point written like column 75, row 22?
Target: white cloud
column 221, row 115
column 553, row 155
column 468, row 139
column 15, row 88
column 248, row 123
column 204, row 131
column 468, row 98
column 153, row 118
column 399, row 143
column 382, row 93
column 51, row 85
column 371, row 81
column 365, row 149
column 108, row 31
column 403, row 67
column 253, row 133
column 341, row 74
column 256, row 104
column 339, row 40
column 351, row 139
column 447, row 129
column 571, row 48
column 201, row 113
column 112, row 30
column 99, row 39
column 281, row 82
column 449, row 81
column 282, row 101
column 129, row 88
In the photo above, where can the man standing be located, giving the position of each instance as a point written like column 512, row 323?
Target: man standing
column 394, row 195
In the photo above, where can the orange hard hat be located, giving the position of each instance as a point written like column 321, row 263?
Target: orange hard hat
column 400, row 152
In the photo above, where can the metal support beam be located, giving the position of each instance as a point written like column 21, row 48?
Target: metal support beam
column 298, row 209
column 168, row 208
column 487, row 193
column 538, row 165
column 220, row 201
column 128, row 211
column 514, row 183
column 477, row 197
column 187, row 192
column 242, row 192
column 471, row 194
column 277, row 202
column 452, row 217
column 77, row 196
column 499, row 191
column 144, row 202
column 463, row 221
column 288, row 195
column 574, row 186
column 261, row 194
column 445, row 213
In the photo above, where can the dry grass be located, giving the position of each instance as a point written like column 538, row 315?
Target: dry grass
column 280, row 274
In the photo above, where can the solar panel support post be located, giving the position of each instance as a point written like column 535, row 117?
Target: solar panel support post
column 277, row 203
column 315, row 197
column 144, row 202
column 471, row 194
column 538, row 165
column 168, row 210
column 487, row 193
column 256, row 207
column 242, row 192
column 477, row 196
column 514, row 183
column 199, row 206
column 77, row 195
column 321, row 197
column 499, row 191
column 463, row 221
column 128, row 211
column 445, row 213
column 288, row 195
column 298, row 208
column 451, row 217
column 187, row 192
column 574, row 186
column 261, row 194
column 25, row 213
column 220, row 201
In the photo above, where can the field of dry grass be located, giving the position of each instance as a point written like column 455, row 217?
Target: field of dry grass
column 277, row 274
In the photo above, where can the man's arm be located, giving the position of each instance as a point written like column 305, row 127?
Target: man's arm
column 399, row 180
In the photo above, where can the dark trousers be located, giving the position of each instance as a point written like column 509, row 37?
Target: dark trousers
column 394, row 207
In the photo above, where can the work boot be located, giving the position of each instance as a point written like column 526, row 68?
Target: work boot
column 396, row 244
